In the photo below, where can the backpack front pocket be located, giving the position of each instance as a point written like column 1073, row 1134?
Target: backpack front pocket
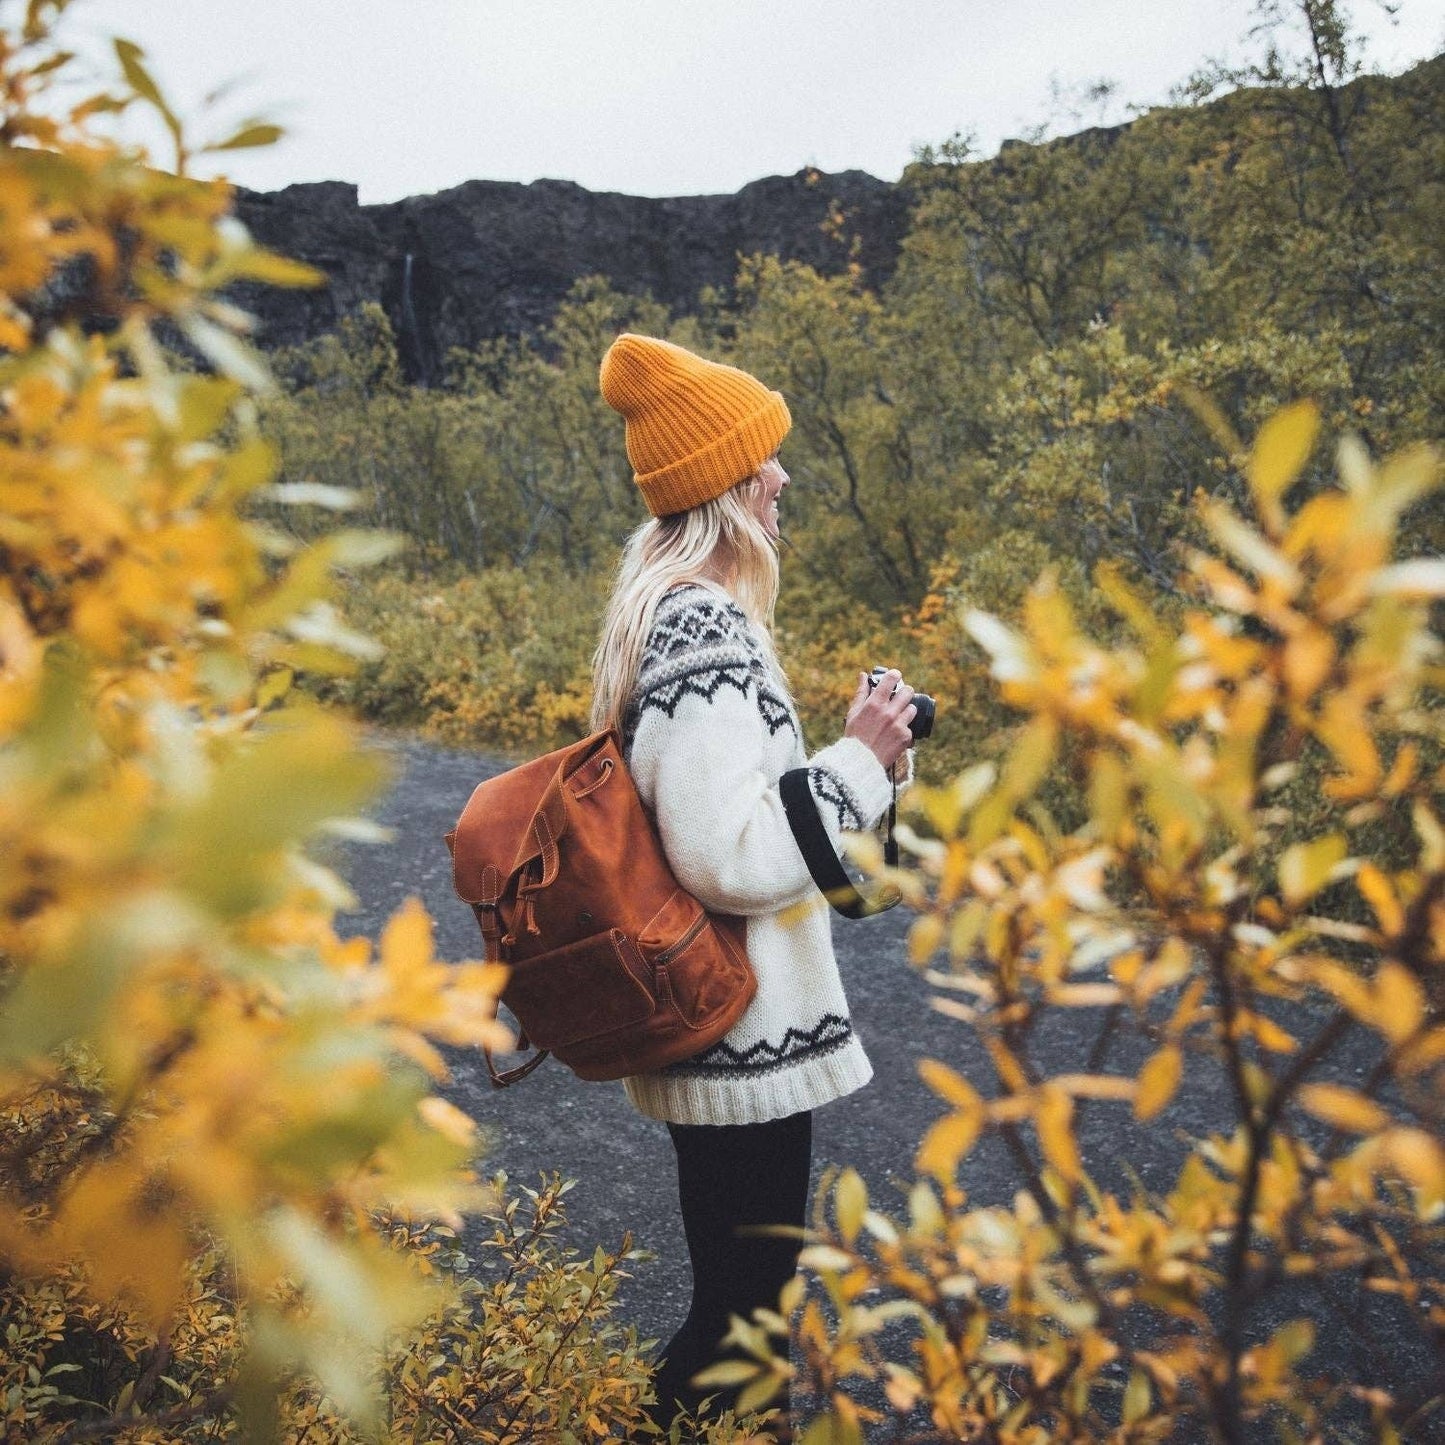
column 579, row 992
column 694, row 965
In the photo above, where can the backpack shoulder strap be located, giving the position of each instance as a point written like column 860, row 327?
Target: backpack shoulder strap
column 818, row 853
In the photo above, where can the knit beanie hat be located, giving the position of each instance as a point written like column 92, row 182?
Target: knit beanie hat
column 694, row 427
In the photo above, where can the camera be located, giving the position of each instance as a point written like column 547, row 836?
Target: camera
column 922, row 724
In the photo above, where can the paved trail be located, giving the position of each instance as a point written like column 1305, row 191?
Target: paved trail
column 624, row 1162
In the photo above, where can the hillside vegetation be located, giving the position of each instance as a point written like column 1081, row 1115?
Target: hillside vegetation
column 1072, row 327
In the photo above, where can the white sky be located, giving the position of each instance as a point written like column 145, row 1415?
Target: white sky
column 658, row 97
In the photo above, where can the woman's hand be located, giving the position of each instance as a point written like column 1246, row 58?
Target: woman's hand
column 879, row 716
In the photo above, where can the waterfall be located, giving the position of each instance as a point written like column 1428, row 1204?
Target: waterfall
column 408, row 311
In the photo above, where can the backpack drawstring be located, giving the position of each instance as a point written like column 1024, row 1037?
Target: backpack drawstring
column 526, row 903
column 529, row 915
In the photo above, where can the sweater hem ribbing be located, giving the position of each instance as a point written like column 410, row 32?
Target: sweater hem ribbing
column 682, row 1100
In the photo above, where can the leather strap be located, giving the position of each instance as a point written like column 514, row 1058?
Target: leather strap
column 505, row 1078
column 489, row 917
column 818, row 853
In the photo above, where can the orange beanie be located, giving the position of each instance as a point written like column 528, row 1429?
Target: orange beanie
column 694, row 427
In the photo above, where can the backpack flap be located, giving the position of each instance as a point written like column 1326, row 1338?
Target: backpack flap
column 506, row 841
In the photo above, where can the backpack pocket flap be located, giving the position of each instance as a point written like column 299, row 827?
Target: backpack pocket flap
column 579, row 992
column 693, row 960
column 670, row 924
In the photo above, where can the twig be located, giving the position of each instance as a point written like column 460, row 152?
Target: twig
column 113, row 1427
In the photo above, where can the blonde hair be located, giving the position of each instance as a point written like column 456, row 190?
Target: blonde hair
column 723, row 536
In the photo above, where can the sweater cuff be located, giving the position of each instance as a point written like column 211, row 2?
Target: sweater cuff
column 850, row 784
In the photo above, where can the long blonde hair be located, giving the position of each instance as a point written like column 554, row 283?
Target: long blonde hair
column 723, row 538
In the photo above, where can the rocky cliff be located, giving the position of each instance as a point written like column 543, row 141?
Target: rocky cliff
column 491, row 258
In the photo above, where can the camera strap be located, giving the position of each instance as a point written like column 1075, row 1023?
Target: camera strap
column 822, row 859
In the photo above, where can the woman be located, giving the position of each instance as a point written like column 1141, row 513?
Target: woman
column 687, row 672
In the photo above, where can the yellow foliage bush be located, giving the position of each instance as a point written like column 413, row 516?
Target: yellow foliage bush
column 1242, row 953
column 500, row 660
column 228, row 1190
column 188, row 1050
column 525, row 1347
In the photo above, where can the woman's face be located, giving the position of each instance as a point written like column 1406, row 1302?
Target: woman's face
column 771, row 480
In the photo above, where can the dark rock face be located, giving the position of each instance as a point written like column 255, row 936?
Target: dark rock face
column 495, row 258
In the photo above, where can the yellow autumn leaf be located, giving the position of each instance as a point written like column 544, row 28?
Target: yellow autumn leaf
column 1426, row 1052
column 1096, row 1086
column 1158, row 1081
column 1054, row 1121
column 826, row 1257
column 1250, row 549
column 1342, row 983
column 1168, row 967
column 1403, row 770
column 1379, row 893
column 925, row 937
column 850, row 1203
column 261, row 134
column 1047, row 613
column 947, row 1141
column 1343, row 729
column 924, row 1212
column 964, row 929
column 728, row 1372
column 1420, row 1157
column 1228, row 589
column 1308, row 657
column 761, row 1391
column 1420, row 579
column 1408, row 474
column 1270, row 1035
column 1280, row 451
column 1342, row 1108
column 1136, row 1397
column 1399, row 1001
column 133, row 1249
column 1011, row 1073
column 1271, row 1361
column 448, row 1120
column 274, row 686
column 1108, row 793
column 1431, row 835
column 1030, row 758
column 1132, row 607
column 406, row 941
column 1011, row 658
column 950, row 1086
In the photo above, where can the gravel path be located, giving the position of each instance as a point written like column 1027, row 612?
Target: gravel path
column 623, row 1162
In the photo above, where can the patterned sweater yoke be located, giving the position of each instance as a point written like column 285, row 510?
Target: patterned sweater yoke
column 708, row 733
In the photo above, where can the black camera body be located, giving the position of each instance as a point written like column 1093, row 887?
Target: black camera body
column 922, row 724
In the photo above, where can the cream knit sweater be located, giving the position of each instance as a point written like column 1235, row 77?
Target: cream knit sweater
column 707, row 736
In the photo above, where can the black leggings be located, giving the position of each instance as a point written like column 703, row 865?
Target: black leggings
column 730, row 1176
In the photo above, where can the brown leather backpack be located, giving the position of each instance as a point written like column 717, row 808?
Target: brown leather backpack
column 615, row 968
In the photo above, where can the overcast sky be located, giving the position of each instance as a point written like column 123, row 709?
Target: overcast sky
column 660, row 97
